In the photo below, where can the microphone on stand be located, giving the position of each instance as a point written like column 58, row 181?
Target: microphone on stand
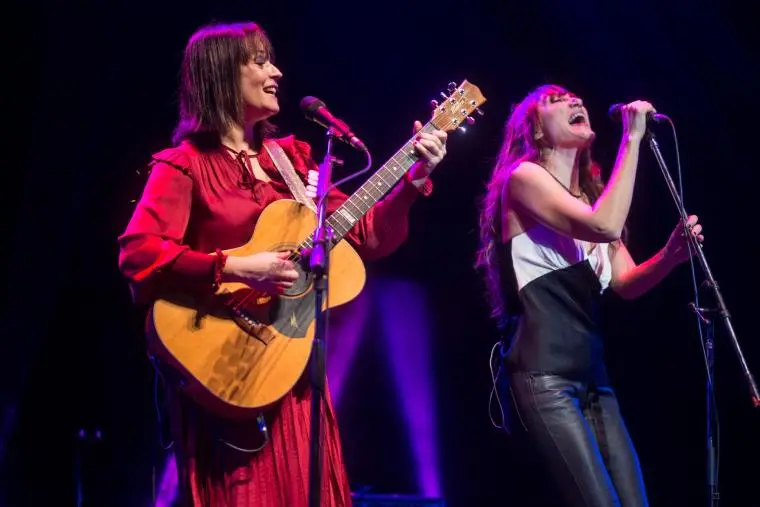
column 614, row 114
column 316, row 111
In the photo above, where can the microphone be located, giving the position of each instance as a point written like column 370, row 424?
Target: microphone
column 614, row 114
column 316, row 111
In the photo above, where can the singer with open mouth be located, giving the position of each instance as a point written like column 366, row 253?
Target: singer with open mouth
column 551, row 244
column 204, row 195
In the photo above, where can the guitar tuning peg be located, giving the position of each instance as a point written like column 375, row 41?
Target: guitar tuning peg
column 443, row 96
column 462, row 129
column 452, row 86
column 481, row 113
column 433, row 103
column 470, row 120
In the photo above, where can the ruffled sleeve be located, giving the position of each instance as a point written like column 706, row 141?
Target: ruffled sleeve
column 384, row 228
column 151, row 248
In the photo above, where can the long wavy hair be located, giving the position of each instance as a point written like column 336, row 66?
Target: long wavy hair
column 210, row 98
column 520, row 144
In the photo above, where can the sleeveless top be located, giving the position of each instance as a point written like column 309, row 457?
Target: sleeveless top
column 553, row 287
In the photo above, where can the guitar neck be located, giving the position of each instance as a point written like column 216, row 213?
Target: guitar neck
column 372, row 191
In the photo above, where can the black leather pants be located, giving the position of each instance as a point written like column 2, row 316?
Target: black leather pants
column 581, row 437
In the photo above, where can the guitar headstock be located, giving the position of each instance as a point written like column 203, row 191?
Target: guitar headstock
column 455, row 109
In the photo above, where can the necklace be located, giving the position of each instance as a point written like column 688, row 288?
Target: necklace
column 587, row 246
column 577, row 196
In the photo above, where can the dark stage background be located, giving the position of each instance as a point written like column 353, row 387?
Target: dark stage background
column 94, row 95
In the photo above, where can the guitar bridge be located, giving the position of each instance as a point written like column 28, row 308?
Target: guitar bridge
column 250, row 311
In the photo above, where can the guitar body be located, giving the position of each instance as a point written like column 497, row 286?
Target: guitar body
column 241, row 350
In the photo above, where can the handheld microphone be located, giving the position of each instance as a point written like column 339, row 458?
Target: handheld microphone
column 316, row 111
column 614, row 114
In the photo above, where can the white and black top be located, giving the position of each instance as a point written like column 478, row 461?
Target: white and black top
column 554, row 285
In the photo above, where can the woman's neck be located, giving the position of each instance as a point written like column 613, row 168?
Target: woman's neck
column 563, row 163
column 240, row 139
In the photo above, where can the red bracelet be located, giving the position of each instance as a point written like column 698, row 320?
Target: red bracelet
column 219, row 262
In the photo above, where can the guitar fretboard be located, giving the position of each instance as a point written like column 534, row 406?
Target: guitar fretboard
column 371, row 192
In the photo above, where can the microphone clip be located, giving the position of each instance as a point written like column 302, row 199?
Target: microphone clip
column 703, row 312
column 341, row 134
column 316, row 111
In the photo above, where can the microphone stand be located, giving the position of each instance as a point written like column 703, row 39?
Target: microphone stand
column 721, row 310
column 712, row 444
column 319, row 266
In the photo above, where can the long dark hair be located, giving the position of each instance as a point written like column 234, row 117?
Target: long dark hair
column 520, row 145
column 210, row 98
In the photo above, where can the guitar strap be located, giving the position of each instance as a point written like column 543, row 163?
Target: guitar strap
column 285, row 166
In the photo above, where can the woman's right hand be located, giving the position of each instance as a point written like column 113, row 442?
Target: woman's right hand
column 634, row 116
column 270, row 272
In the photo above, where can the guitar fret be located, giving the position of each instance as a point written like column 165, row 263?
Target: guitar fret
column 381, row 176
column 341, row 228
column 361, row 204
column 362, row 207
column 350, row 219
column 366, row 196
column 397, row 162
column 339, row 222
column 368, row 200
column 349, row 202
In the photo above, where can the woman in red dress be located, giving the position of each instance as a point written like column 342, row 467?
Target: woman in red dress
column 205, row 194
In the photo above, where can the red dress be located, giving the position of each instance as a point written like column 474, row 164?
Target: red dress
column 193, row 203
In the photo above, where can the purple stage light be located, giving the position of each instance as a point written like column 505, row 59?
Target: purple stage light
column 405, row 318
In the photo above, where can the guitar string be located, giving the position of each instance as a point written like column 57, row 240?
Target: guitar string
column 296, row 255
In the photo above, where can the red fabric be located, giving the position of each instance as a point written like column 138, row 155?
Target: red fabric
column 213, row 474
column 194, row 203
column 426, row 188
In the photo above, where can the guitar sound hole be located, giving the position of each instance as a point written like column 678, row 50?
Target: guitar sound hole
column 301, row 285
column 304, row 282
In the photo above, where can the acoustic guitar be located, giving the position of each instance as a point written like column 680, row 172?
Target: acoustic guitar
column 241, row 350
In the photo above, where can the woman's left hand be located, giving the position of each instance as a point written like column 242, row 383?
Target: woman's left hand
column 431, row 148
column 677, row 248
